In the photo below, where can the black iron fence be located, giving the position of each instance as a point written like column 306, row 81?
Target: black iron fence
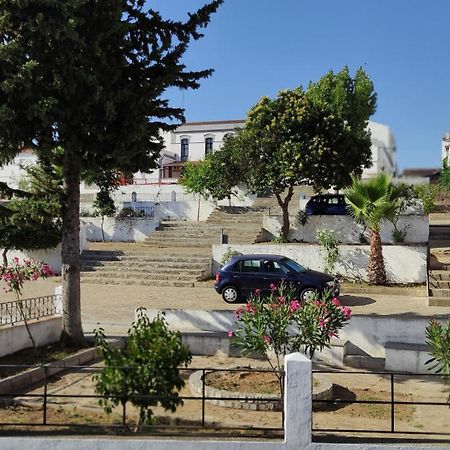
column 27, row 309
column 390, row 400
column 53, row 400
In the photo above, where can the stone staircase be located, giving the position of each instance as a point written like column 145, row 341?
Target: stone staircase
column 439, row 264
column 240, row 225
column 177, row 254
column 143, row 268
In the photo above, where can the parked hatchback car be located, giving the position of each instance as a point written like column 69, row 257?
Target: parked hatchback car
column 243, row 274
column 328, row 204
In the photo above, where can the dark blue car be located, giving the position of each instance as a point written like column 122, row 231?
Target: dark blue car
column 244, row 273
column 327, row 204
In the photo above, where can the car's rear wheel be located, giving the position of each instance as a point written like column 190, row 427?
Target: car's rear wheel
column 308, row 294
column 230, row 294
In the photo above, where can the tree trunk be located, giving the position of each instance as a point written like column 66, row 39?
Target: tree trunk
column 70, row 272
column 103, row 231
column 5, row 257
column 284, row 205
column 198, row 207
column 375, row 269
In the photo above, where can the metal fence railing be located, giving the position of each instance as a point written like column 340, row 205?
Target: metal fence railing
column 27, row 309
column 390, row 404
column 53, row 399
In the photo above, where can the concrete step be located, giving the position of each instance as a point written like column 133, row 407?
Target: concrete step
column 439, row 275
column 439, row 301
column 147, row 266
column 143, row 270
column 136, row 282
column 438, row 243
column 439, row 284
column 364, row 362
column 138, row 276
column 440, row 293
column 148, row 258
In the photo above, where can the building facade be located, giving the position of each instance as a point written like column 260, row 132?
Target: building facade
column 193, row 141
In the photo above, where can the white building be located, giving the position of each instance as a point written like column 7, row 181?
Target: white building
column 192, row 141
column 13, row 172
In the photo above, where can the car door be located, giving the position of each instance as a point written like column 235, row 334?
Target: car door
column 272, row 273
column 247, row 275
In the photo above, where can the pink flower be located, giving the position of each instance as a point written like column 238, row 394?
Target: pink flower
column 272, row 286
column 238, row 314
column 266, row 339
column 347, row 311
column 295, row 304
column 249, row 308
column 281, row 299
column 332, row 334
column 335, row 301
column 257, row 291
column 230, row 333
column 317, row 303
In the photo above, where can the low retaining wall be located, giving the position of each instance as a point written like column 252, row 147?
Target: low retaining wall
column 134, row 229
column 404, row 263
column 347, row 230
column 370, row 333
column 15, row 337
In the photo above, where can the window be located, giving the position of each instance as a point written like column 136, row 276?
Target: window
column 251, row 265
column 208, row 146
column 184, row 149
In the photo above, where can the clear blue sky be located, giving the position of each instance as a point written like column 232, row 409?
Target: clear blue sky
column 258, row 47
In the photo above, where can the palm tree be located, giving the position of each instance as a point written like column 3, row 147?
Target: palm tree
column 370, row 202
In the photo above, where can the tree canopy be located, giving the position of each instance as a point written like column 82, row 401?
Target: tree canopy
column 317, row 137
column 89, row 77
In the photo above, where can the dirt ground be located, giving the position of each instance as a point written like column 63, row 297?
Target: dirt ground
column 348, row 386
column 113, row 307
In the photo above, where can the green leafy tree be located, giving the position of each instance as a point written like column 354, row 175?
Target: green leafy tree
column 32, row 218
column 318, row 137
column 438, row 338
column 330, row 243
column 88, row 77
column 146, row 372
column 370, row 202
column 195, row 181
column 427, row 194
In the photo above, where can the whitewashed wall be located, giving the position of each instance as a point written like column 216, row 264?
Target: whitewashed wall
column 51, row 256
column 347, row 230
column 134, row 229
column 404, row 264
column 45, row 331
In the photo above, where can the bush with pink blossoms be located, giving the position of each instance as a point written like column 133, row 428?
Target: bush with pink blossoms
column 15, row 274
column 282, row 324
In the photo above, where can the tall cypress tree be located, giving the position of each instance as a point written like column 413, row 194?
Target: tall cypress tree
column 88, row 76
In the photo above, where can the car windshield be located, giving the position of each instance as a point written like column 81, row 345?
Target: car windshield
column 293, row 266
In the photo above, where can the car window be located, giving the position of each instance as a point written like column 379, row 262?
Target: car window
column 247, row 265
column 333, row 201
column 292, row 265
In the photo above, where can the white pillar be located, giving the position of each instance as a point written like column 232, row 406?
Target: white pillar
column 297, row 401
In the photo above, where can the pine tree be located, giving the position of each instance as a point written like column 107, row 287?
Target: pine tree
column 88, row 76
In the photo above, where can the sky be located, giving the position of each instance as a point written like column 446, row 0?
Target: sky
column 258, row 47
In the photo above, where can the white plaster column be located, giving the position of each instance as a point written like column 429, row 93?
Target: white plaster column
column 297, row 401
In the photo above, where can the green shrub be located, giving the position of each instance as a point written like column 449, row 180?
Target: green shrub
column 144, row 373
column 280, row 240
column 302, row 217
column 438, row 338
column 228, row 255
column 330, row 242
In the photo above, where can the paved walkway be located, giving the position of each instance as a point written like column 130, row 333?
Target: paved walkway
column 113, row 306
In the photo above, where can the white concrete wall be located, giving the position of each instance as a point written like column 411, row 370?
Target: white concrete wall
column 51, row 256
column 45, row 331
column 347, row 230
column 119, row 230
column 404, row 264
